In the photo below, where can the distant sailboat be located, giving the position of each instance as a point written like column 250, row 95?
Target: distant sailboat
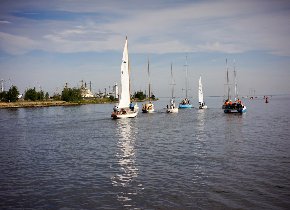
column 125, row 109
column 148, row 107
column 172, row 108
column 185, row 103
column 230, row 106
column 200, row 95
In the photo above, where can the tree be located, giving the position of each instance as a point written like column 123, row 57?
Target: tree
column 30, row 94
column 33, row 95
column 40, row 95
column 12, row 94
column 46, row 96
column 3, row 96
column 140, row 95
column 71, row 94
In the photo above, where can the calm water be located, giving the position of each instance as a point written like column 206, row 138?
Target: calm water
column 78, row 158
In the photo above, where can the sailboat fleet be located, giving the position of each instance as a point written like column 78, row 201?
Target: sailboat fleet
column 126, row 109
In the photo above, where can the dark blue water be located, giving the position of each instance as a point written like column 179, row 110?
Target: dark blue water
column 78, row 158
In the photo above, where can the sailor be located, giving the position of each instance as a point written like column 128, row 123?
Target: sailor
column 132, row 106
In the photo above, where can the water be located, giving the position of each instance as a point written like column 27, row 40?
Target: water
column 78, row 158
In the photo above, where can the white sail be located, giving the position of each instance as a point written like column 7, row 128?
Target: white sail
column 125, row 79
column 200, row 93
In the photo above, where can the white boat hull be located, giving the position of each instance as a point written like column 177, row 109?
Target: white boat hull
column 172, row 110
column 203, row 107
column 131, row 114
column 147, row 111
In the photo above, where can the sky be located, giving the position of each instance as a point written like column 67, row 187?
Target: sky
column 45, row 44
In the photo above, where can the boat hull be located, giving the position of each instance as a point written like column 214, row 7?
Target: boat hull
column 121, row 116
column 172, row 110
column 240, row 110
column 202, row 107
column 147, row 111
column 185, row 106
column 124, row 113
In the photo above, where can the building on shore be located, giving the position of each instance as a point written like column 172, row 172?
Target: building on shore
column 116, row 91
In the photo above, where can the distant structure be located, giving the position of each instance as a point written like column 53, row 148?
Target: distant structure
column 85, row 92
column 2, row 85
column 116, row 91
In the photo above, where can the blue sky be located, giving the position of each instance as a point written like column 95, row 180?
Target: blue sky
column 49, row 43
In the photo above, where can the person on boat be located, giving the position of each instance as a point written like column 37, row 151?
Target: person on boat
column 132, row 106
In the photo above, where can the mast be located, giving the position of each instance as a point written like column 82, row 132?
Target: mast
column 236, row 83
column 186, row 77
column 228, row 81
column 149, row 94
column 172, row 83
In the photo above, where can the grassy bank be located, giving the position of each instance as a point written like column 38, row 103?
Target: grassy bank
column 23, row 104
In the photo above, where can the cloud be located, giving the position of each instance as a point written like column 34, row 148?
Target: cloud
column 219, row 47
column 16, row 45
column 4, row 22
column 152, row 27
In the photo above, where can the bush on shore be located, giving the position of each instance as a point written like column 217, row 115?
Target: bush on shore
column 11, row 95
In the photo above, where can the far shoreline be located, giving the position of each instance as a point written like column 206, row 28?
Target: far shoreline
column 31, row 104
column 51, row 103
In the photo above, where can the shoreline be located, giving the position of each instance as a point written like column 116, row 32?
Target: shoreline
column 31, row 104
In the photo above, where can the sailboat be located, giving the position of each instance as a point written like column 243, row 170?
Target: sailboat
column 200, row 95
column 148, row 107
column 230, row 106
column 125, row 109
column 185, row 103
column 171, row 108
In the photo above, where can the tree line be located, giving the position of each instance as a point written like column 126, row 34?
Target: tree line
column 31, row 94
column 68, row 94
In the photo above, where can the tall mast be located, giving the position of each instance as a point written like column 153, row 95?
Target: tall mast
column 228, row 81
column 149, row 94
column 172, row 83
column 235, row 79
column 186, row 77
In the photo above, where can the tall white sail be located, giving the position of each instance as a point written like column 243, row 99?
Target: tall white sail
column 200, row 93
column 125, row 79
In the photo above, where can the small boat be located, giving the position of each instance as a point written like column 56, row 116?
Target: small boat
column 201, row 102
column 171, row 108
column 148, row 107
column 185, row 103
column 125, row 109
column 236, row 106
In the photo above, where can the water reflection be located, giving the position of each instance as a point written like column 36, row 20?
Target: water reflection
column 234, row 138
column 124, row 179
column 200, row 119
